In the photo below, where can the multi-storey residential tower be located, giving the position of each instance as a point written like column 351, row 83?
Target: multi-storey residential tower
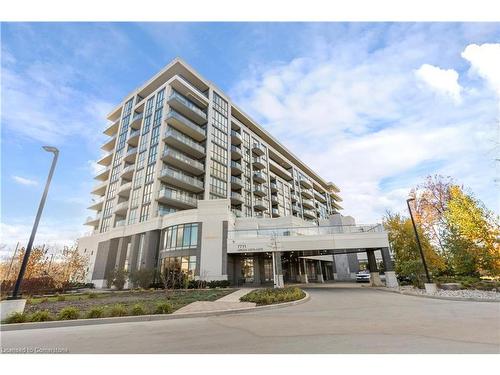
column 181, row 164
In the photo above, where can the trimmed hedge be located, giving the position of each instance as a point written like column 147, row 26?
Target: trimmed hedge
column 270, row 295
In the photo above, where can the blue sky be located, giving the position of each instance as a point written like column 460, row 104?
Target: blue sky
column 373, row 107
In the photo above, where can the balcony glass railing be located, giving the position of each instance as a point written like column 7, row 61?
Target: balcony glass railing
column 235, row 134
column 236, row 196
column 128, row 168
column 137, row 117
column 235, row 164
column 188, row 83
column 181, row 177
column 183, row 197
column 237, row 213
column 184, row 139
column 175, row 95
column 236, row 180
column 133, row 133
column 185, row 121
column 310, row 213
column 181, row 157
column 131, row 151
column 235, row 149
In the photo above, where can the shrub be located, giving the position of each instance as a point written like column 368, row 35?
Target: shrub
column 142, row 278
column 163, row 308
column 60, row 298
column 41, row 316
column 197, row 284
column 118, row 310
column 119, row 277
column 95, row 312
column 270, row 295
column 138, row 309
column 68, row 313
column 218, row 284
column 16, row 318
column 91, row 295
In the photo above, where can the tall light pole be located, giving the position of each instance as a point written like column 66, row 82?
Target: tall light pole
column 15, row 293
column 418, row 240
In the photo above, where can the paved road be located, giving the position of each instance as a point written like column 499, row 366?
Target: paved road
column 333, row 321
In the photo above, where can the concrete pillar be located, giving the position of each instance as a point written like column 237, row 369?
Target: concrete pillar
column 391, row 280
column 342, row 267
column 303, row 277
column 372, row 264
column 278, row 282
column 319, row 273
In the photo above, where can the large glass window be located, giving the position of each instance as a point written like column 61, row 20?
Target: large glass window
column 186, row 265
column 183, row 236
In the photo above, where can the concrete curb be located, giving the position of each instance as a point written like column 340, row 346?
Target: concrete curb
column 458, row 299
column 144, row 318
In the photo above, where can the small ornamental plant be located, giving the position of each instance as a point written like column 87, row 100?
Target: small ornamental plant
column 163, row 308
column 68, row 313
column 41, row 316
column 118, row 310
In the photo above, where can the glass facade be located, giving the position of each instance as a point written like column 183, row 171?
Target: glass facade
column 178, row 237
column 185, row 264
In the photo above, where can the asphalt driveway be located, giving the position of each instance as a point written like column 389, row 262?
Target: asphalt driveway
column 335, row 320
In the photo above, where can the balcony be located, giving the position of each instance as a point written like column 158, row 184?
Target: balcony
column 182, row 161
column 103, row 175
column 279, row 170
column 295, row 208
column 100, row 188
column 308, row 203
column 235, row 138
column 182, row 180
column 260, row 205
column 319, row 197
column 133, row 138
column 236, row 168
column 112, row 129
column 274, row 199
column 128, row 172
column 186, row 88
column 275, row 212
column 93, row 220
column 259, row 162
column 310, row 214
column 259, row 177
column 120, row 223
column 121, row 208
column 110, row 144
column 335, row 197
column 236, row 183
column 259, row 191
column 305, row 183
column 274, row 187
column 236, row 198
column 124, row 190
column 97, row 204
column 130, row 155
column 307, row 193
column 106, row 159
column 186, row 108
column 336, row 206
column 258, row 149
column 235, row 153
column 136, row 121
column 236, row 212
column 186, row 126
column 294, row 197
column 182, row 142
column 177, row 198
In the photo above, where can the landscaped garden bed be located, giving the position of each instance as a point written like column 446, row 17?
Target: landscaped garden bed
column 112, row 304
column 271, row 295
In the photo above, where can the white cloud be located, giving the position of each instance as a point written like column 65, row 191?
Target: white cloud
column 440, row 80
column 25, row 181
column 360, row 120
column 485, row 62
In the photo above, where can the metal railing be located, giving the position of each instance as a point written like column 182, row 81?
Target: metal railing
column 305, row 231
column 178, row 196
column 181, row 157
column 181, row 177
column 190, row 124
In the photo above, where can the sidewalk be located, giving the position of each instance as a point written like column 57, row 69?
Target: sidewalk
column 229, row 302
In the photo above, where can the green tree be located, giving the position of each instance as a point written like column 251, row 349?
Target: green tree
column 407, row 261
column 473, row 234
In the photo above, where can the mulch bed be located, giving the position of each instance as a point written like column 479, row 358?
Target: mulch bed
column 178, row 299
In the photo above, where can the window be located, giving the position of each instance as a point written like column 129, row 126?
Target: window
column 219, row 153
column 135, row 198
column 132, row 217
column 218, row 187
column 247, row 270
column 182, row 236
column 146, row 198
column 186, row 265
column 150, row 173
column 218, row 170
column 144, row 213
column 141, row 159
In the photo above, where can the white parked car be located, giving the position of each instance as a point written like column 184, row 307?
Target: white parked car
column 363, row 277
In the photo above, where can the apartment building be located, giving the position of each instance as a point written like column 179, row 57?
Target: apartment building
column 182, row 166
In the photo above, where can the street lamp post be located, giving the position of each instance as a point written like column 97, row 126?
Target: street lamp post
column 418, row 240
column 15, row 293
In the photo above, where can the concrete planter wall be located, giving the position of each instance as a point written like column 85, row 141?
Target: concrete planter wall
column 8, row 307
